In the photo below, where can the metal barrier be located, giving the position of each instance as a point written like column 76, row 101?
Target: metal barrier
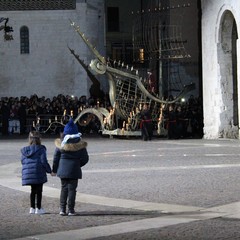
column 46, row 123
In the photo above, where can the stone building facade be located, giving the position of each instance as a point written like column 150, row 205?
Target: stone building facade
column 220, row 50
column 44, row 65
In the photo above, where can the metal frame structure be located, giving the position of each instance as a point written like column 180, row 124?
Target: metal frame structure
column 127, row 93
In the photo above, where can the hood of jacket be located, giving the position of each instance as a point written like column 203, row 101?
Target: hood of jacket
column 70, row 146
column 29, row 151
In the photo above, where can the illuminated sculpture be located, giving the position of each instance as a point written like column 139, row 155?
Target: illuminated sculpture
column 128, row 91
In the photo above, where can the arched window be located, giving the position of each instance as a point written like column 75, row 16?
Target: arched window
column 24, row 40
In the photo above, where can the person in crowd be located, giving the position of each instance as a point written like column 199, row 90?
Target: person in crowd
column 69, row 156
column 181, row 123
column 14, row 123
column 171, row 122
column 152, row 84
column 35, row 167
column 146, row 123
column 5, row 111
column 22, row 113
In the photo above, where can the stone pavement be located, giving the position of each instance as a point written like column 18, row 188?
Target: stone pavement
column 102, row 217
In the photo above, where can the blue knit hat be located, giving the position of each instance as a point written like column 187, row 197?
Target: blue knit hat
column 70, row 128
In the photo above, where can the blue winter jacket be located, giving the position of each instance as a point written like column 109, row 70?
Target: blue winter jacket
column 34, row 165
column 68, row 160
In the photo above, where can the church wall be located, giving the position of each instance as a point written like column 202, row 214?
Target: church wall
column 50, row 69
column 217, row 72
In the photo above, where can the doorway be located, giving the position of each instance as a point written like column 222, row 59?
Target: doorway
column 227, row 59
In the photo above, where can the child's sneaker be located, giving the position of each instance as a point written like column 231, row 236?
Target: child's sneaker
column 72, row 213
column 39, row 211
column 32, row 210
column 63, row 213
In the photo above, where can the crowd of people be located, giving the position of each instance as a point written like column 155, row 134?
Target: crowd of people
column 22, row 114
column 184, row 120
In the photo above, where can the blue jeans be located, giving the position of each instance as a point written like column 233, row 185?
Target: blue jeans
column 68, row 194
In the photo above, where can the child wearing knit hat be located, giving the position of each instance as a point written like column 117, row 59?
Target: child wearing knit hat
column 69, row 156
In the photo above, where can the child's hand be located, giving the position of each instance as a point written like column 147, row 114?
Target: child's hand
column 53, row 174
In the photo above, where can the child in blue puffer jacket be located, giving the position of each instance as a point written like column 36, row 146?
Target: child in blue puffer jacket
column 69, row 156
column 34, row 168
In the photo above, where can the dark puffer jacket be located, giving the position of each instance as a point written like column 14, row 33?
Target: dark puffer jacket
column 34, row 165
column 68, row 160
